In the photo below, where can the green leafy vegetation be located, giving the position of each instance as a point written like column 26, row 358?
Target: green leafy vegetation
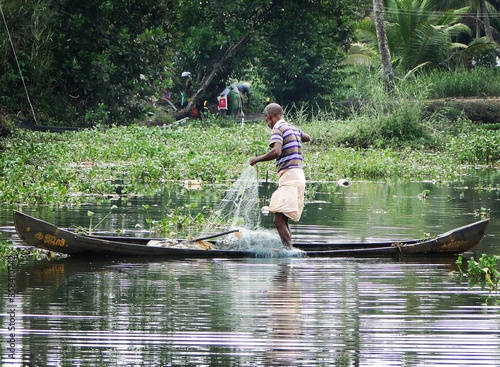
column 424, row 35
column 73, row 167
column 109, row 62
column 478, row 145
column 9, row 253
column 179, row 220
column 386, row 135
column 483, row 272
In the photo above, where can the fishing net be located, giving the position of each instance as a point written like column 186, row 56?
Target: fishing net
column 240, row 209
column 262, row 242
column 240, row 206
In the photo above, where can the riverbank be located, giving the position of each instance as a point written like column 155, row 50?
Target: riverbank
column 48, row 168
column 481, row 110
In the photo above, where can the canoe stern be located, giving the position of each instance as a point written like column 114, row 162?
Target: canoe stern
column 456, row 241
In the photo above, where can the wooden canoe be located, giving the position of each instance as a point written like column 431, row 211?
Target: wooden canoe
column 38, row 233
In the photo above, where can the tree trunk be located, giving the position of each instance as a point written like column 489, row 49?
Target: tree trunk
column 486, row 20
column 383, row 46
column 478, row 24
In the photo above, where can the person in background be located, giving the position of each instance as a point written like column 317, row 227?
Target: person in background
column 287, row 202
column 186, row 95
column 234, row 101
column 230, row 101
column 244, row 89
column 222, row 102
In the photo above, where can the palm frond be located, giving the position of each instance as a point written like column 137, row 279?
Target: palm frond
column 415, row 69
column 457, row 30
column 361, row 54
column 480, row 46
column 365, row 31
column 451, row 16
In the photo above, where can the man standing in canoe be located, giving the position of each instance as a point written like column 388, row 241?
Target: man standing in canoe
column 287, row 202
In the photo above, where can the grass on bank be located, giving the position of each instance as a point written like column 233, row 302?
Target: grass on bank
column 475, row 82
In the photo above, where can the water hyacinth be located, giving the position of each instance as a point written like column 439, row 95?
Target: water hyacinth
column 73, row 167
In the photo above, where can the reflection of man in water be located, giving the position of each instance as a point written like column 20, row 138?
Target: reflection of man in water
column 285, row 308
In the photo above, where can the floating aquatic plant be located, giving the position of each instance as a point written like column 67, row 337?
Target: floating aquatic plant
column 483, row 273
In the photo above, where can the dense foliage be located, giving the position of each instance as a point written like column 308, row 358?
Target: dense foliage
column 83, row 61
column 115, row 62
column 301, row 56
column 427, row 34
column 141, row 49
column 104, row 61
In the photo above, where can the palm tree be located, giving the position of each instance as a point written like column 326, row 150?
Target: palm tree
column 486, row 19
column 419, row 36
column 383, row 45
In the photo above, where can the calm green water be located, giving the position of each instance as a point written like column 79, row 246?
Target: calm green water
column 262, row 312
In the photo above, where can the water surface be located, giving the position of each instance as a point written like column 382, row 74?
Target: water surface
column 288, row 312
column 262, row 312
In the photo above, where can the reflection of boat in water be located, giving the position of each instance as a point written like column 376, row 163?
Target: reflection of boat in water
column 47, row 236
column 40, row 275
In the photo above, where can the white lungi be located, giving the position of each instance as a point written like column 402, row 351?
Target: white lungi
column 289, row 197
